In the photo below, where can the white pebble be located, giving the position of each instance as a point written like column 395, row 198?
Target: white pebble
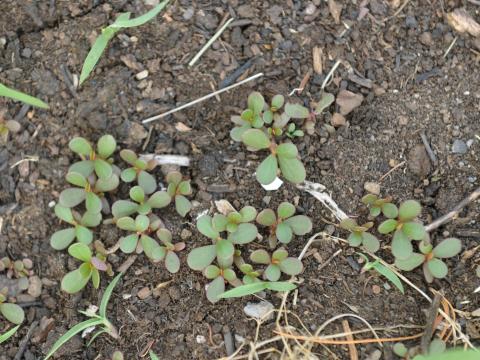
column 201, row 339
column 142, row 75
column 51, row 204
column 261, row 310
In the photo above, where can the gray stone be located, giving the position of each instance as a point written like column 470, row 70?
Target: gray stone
column 261, row 310
column 459, row 147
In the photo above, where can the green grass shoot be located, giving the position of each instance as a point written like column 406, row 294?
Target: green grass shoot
column 20, row 96
column 249, row 289
column 383, row 270
column 9, row 334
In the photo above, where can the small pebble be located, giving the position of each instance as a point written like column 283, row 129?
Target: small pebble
column 51, row 204
column 338, row 120
column 144, row 293
column 372, row 187
column 142, row 75
column 201, row 339
column 459, row 147
column 376, row 289
column 185, row 234
column 259, row 310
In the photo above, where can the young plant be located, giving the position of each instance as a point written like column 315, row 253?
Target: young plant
column 252, row 288
column 359, row 235
column 7, row 126
column 430, row 257
column 325, row 101
column 140, row 239
column 141, row 204
column 11, row 312
column 250, row 275
column 168, row 250
column 235, row 221
column 382, row 270
column 98, row 160
column 80, row 227
column 293, row 131
column 405, row 228
column 94, row 320
column 90, row 268
column 122, row 21
column 4, row 337
column 378, row 205
column 153, row 356
column 283, row 225
column 219, row 275
column 277, row 263
column 20, row 96
column 178, row 189
column 252, row 117
column 19, row 269
column 138, row 171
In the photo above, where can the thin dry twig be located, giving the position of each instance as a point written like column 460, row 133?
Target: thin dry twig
column 391, row 170
column 351, row 347
column 25, row 340
column 396, row 13
column 329, row 75
column 430, row 323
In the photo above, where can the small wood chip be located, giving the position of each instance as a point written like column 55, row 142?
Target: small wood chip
column 182, row 127
column 335, row 10
column 317, row 53
column 461, row 21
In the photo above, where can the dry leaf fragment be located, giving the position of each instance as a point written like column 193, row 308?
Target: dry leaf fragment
column 182, row 127
column 317, row 60
column 461, row 21
column 347, row 101
column 335, row 10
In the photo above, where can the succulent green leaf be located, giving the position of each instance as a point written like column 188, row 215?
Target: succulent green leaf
column 95, row 278
column 266, row 217
column 215, row 288
column 159, row 199
column 285, row 210
column 219, row 222
column 62, row 238
column 437, row 268
column 248, row 213
column 277, row 102
column 164, row 235
column 369, row 199
column 71, row 197
column 267, row 117
column 355, row 239
column 296, row 111
column 141, row 223
column 292, row 169
column 174, row 177
column 122, row 208
column 80, row 146
column 90, row 219
column 267, row 170
column 204, row 225
column 106, row 146
column 150, row 247
column 75, row 281
column 291, row 266
column 370, row 242
column 279, row 254
column 237, row 132
column 260, row 256
column 256, row 139
column 287, row 150
column 199, row 258
column 64, row 213
column 137, row 194
column 147, row 182
column 284, row 233
column 348, row 224
column 184, row 188
column 128, row 244
column 80, row 251
column 128, row 175
column 447, row 248
column 256, row 102
column 272, row 272
column 401, row 245
column 144, row 209
column 375, row 211
column 128, row 156
column 211, row 272
column 107, row 184
column 126, row 223
column 245, row 233
column 300, row 224
column 390, row 210
column 76, row 179
column 409, row 210
column 140, row 164
column 326, row 100
column 182, row 205
column 103, row 169
column 93, row 203
column 172, row 262
column 414, row 230
column 229, row 275
column 247, row 115
column 224, row 249
column 84, row 167
column 387, row 226
column 425, row 247
column 410, row 263
column 400, row 350
column 12, row 312
column 83, row 235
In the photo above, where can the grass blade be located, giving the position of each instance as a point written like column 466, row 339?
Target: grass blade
column 96, row 52
column 142, row 19
column 390, row 275
column 71, row 333
column 244, row 290
column 20, row 96
column 153, row 356
column 8, row 334
column 102, row 311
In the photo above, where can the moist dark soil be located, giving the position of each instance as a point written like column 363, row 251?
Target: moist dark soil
column 412, row 88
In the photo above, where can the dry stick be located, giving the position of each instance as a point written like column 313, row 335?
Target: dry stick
column 428, row 148
column 391, row 170
column 24, row 343
column 454, row 212
column 450, row 47
column 209, row 43
column 203, row 98
column 351, row 347
column 329, row 75
column 430, row 323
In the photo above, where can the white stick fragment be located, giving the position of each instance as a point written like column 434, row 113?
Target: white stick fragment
column 167, row 159
column 318, row 191
column 330, row 74
column 209, row 43
column 184, row 106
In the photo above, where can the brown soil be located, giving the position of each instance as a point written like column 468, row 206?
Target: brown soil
column 415, row 89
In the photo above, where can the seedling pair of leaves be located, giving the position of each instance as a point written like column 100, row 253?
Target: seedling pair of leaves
column 430, row 257
column 100, row 320
column 325, row 101
column 379, row 206
column 141, row 203
column 90, row 268
column 283, row 225
column 20, row 96
column 359, row 235
column 178, row 189
column 277, row 263
column 405, row 228
column 11, row 312
column 122, row 21
column 18, row 269
column 382, row 270
column 138, row 171
column 7, row 126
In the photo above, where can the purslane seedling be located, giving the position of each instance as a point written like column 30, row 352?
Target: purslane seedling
column 139, row 171
column 168, row 250
column 278, row 263
column 377, row 206
column 382, row 270
column 260, row 127
column 141, row 204
column 232, row 221
column 219, row 275
column 90, row 268
column 10, row 311
column 178, row 189
column 284, row 224
column 359, row 235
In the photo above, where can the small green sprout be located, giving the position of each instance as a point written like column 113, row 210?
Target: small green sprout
column 359, row 235
column 153, row 356
column 279, row 262
column 430, row 257
column 233, row 220
column 117, row 355
column 435, row 348
column 90, row 268
column 249, row 274
column 140, row 240
column 378, row 205
column 292, row 131
column 122, row 21
column 20, row 96
column 168, row 250
column 7, row 126
column 251, row 117
column 19, row 269
column 325, row 101
column 284, row 224
column 4, row 337
column 94, row 320
column 382, row 270
column 80, row 227
column 219, row 276
column 98, row 161
column 141, row 204
column 11, row 312
column 138, row 171
column 178, row 189
column 405, row 229
column 252, row 288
